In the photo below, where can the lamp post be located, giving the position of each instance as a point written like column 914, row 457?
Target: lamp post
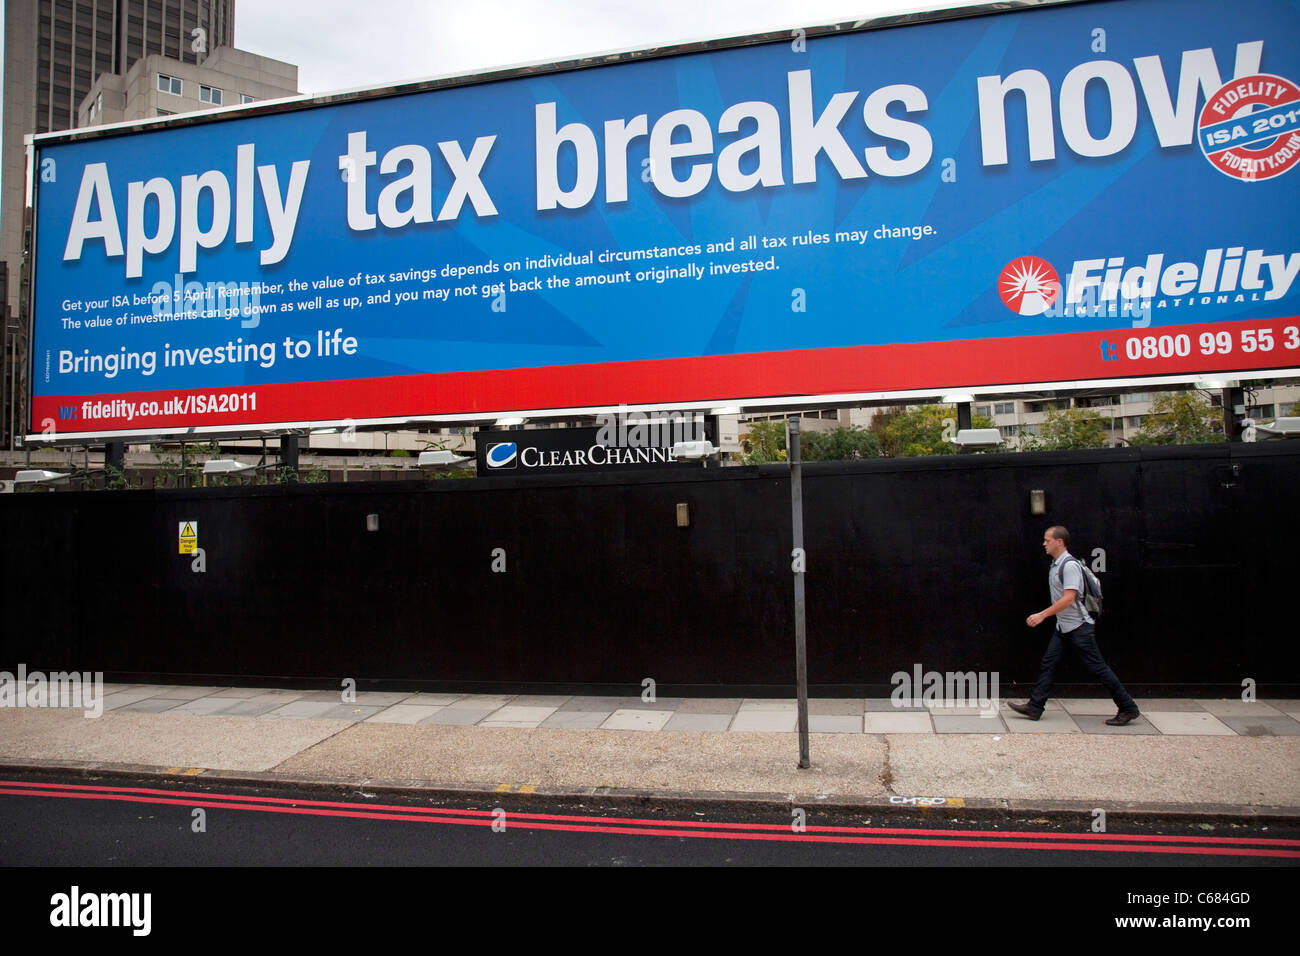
column 798, row 565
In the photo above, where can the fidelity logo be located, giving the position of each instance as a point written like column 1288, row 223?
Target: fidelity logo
column 503, row 454
column 1028, row 285
column 1235, row 275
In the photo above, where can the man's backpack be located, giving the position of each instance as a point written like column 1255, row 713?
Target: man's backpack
column 1092, row 600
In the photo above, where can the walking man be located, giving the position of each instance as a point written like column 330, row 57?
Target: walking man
column 1074, row 626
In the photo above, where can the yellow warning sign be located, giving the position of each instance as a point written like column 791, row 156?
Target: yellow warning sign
column 189, row 536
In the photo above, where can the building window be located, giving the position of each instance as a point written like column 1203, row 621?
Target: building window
column 980, row 410
column 246, row 98
column 210, row 94
column 1286, row 409
column 169, row 84
column 164, row 112
column 1259, row 412
column 1134, row 421
column 1135, row 397
column 1004, row 408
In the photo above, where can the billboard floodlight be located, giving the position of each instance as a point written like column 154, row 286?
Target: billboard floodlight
column 694, row 450
column 974, row 439
column 226, row 466
column 1281, row 428
column 432, row 459
column 40, row 476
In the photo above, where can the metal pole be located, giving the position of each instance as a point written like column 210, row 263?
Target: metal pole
column 288, row 458
column 799, row 564
column 1232, row 397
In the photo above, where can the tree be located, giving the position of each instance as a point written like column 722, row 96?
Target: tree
column 879, row 427
column 764, row 443
column 840, row 444
column 926, row 430
column 1067, row 428
column 1180, row 418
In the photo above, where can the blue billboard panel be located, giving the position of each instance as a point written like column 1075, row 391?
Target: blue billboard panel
column 1085, row 191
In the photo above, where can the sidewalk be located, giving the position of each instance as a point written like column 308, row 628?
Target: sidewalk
column 1196, row 756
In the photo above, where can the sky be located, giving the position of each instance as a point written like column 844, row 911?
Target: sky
column 342, row 44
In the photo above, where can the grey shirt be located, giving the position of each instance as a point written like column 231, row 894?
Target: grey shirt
column 1076, row 614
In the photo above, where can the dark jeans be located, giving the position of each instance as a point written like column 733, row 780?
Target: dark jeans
column 1084, row 640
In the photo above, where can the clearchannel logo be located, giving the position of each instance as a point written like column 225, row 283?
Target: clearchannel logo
column 503, row 454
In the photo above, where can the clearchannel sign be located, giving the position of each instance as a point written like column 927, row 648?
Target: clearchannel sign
column 1062, row 193
column 543, row 451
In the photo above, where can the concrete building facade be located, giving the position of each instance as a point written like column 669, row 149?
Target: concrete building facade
column 73, row 63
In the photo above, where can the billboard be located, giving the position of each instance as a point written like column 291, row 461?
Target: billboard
column 1100, row 190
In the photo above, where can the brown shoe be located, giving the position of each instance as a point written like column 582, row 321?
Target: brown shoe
column 1124, row 717
column 1024, row 710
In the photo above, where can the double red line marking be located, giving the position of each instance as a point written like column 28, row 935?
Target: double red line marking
column 694, row 829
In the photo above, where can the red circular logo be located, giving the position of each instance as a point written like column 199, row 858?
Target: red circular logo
column 1028, row 285
column 1250, row 128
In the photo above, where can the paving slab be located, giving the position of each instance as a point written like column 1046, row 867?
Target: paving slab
column 437, row 700
column 946, row 710
column 254, row 707
column 715, row 723
column 240, row 692
column 490, row 701
column 124, row 697
column 834, row 724
column 1239, row 708
column 633, row 719
column 381, row 698
column 181, row 691
column 458, row 716
column 300, row 710
column 150, row 705
column 322, row 696
column 1052, row 722
column 1184, row 723
column 204, row 705
column 607, row 704
column 553, row 701
column 764, row 720
column 763, row 703
column 517, row 715
column 710, row 705
column 836, row 707
column 968, row 725
column 902, row 722
column 885, row 706
column 659, row 703
column 404, row 713
column 351, row 712
column 1281, row 725
column 1091, row 707
column 1096, row 724
column 1171, row 705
